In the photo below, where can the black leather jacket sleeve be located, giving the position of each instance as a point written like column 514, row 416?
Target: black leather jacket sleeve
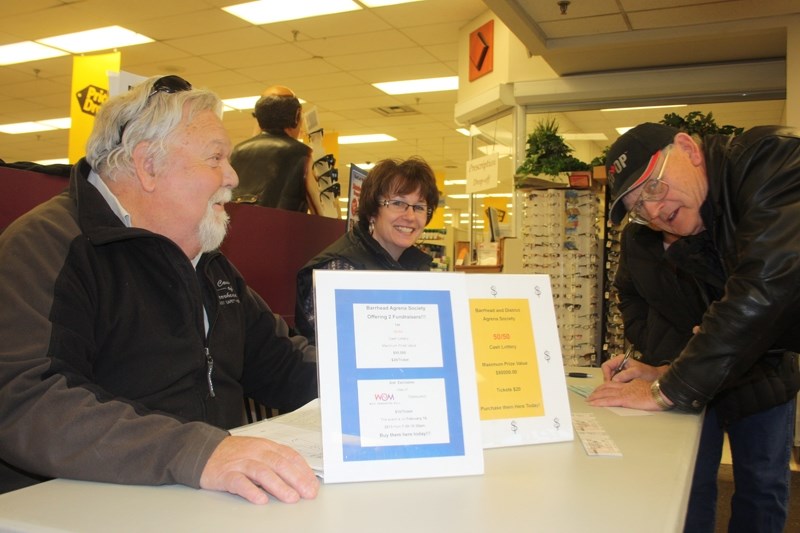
column 753, row 212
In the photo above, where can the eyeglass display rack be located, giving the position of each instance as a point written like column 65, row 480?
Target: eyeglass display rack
column 437, row 243
column 561, row 234
column 613, row 335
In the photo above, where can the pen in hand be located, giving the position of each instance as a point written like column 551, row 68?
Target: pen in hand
column 625, row 358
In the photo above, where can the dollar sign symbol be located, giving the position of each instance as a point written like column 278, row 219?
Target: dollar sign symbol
column 514, row 426
column 537, row 290
column 556, row 423
column 493, row 290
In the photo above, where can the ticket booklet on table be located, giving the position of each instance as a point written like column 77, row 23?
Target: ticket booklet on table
column 398, row 396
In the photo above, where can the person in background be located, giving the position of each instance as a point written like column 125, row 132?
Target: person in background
column 130, row 340
column 274, row 167
column 741, row 197
column 659, row 301
column 397, row 201
column 661, row 304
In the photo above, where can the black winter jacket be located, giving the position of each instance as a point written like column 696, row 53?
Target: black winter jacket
column 105, row 367
column 272, row 170
column 659, row 302
column 355, row 250
column 745, row 352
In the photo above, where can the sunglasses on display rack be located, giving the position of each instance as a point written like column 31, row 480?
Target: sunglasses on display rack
column 333, row 173
column 334, row 189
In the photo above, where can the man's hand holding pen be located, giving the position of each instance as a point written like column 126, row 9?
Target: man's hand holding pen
column 621, row 366
column 626, row 383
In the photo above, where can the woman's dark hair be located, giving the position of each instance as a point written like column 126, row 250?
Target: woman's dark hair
column 392, row 177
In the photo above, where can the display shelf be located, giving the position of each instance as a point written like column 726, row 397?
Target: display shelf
column 561, row 238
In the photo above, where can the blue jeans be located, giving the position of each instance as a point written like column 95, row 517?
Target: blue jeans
column 760, row 449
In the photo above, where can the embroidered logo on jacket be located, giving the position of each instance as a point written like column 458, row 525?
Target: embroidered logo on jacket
column 226, row 294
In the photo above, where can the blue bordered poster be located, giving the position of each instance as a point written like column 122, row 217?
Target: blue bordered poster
column 397, row 377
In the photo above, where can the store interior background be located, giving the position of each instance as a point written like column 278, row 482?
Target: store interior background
column 331, row 62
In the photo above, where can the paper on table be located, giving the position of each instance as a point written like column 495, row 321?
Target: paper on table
column 581, row 390
column 299, row 430
column 594, row 438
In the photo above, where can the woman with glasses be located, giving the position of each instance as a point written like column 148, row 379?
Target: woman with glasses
column 397, row 201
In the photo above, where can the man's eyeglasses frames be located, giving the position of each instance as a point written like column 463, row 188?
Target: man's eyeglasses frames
column 653, row 190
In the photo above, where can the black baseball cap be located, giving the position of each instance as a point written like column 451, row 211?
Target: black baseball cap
column 631, row 160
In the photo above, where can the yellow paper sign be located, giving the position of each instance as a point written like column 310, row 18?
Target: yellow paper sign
column 89, row 92
column 505, row 362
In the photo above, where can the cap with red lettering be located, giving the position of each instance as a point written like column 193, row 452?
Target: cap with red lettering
column 631, row 160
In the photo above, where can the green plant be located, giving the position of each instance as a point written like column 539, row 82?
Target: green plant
column 600, row 160
column 696, row 122
column 548, row 153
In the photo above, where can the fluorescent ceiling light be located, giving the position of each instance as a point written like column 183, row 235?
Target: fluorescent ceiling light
column 269, row 11
column 23, row 52
column 361, row 139
column 622, row 131
column 429, row 85
column 363, row 166
column 24, row 127
column 584, row 136
column 41, row 125
column 246, row 102
column 455, row 182
column 642, row 107
column 471, row 132
column 96, row 39
column 381, row 3
column 58, row 123
column 61, row 161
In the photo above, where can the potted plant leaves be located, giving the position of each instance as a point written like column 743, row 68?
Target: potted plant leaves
column 548, row 159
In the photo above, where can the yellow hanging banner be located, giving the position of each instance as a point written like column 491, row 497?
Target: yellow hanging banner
column 89, row 92
column 437, row 221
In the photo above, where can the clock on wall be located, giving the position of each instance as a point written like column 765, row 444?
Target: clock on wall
column 481, row 51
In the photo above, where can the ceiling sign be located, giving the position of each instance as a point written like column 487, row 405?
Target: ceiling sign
column 481, row 51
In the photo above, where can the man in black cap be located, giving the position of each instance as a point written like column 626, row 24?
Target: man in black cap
column 741, row 196
column 274, row 167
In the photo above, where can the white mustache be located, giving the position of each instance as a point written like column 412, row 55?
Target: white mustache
column 223, row 196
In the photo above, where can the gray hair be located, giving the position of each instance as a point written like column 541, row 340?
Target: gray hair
column 140, row 115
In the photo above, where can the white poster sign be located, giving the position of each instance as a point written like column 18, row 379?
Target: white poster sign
column 482, row 173
column 397, row 376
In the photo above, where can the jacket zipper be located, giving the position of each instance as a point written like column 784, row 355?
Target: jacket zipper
column 210, row 366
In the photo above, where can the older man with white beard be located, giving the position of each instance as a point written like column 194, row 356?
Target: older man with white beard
column 129, row 339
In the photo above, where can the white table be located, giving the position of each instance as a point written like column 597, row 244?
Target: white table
column 543, row 488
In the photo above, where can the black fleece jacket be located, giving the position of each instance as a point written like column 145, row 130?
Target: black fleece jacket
column 106, row 371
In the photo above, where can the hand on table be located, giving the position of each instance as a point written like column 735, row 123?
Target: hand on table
column 249, row 466
column 633, row 394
